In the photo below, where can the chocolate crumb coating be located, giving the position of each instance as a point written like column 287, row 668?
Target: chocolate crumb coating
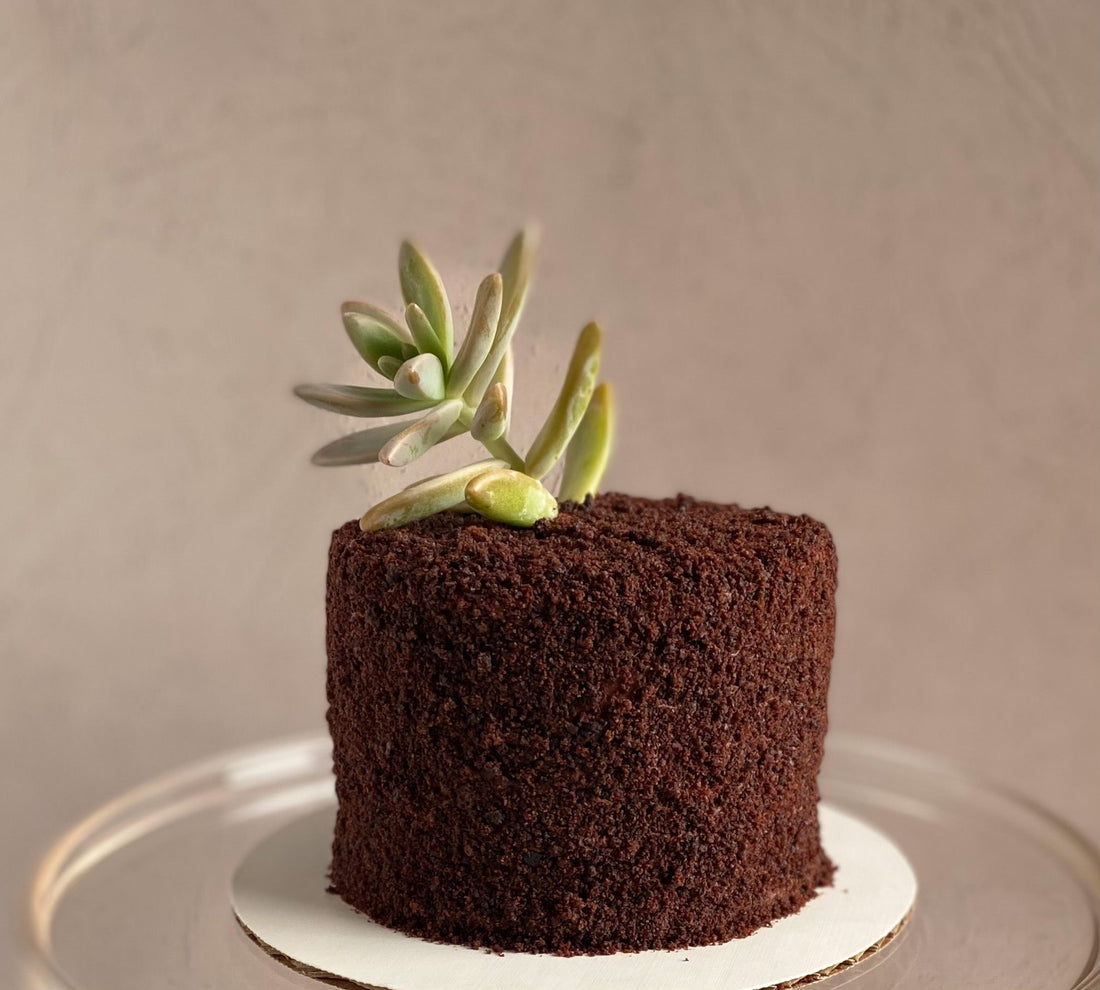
column 597, row 735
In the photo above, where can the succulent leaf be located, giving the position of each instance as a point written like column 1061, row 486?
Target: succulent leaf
column 424, row 337
column 361, row 447
column 515, row 270
column 510, row 497
column 489, row 372
column 425, row 498
column 354, row 400
column 472, row 391
column 420, row 377
column 389, row 366
column 422, row 286
column 588, row 452
column 506, row 371
column 491, row 419
column 479, row 338
column 416, row 440
column 570, row 407
column 373, row 332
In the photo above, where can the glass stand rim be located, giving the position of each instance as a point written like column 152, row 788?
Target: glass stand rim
column 295, row 773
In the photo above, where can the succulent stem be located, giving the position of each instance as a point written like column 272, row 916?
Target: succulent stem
column 502, row 449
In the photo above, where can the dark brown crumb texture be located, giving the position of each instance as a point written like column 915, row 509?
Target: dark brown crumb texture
column 602, row 734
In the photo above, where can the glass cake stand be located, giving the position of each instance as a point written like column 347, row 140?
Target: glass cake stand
column 137, row 895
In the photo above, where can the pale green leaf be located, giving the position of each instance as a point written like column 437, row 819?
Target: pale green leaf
column 425, row 498
column 491, row 418
column 515, row 270
column 424, row 337
column 510, row 497
column 490, row 371
column 354, row 400
column 376, row 314
column 416, row 440
column 389, row 366
column 506, row 373
column 420, row 377
column 588, row 452
column 421, row 285
column 361, row 447
column 569, row 409
column 479, row 338
column 374, row 333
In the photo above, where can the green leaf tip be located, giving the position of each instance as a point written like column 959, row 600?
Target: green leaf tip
column 440, row 393
column 510, row 497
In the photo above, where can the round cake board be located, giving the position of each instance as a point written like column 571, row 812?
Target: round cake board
column 280, row 899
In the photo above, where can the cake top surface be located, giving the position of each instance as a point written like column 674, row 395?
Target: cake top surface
column 608, row 524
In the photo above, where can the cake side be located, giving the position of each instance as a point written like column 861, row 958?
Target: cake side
column 602, row 734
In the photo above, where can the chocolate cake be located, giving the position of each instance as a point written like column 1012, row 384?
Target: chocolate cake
column 599, row 734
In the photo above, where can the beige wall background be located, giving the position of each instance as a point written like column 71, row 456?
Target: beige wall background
column 845, row 256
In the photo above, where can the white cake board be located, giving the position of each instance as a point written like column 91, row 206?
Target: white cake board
column 280, row 899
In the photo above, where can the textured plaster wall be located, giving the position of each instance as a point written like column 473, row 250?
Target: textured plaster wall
column 845, row 256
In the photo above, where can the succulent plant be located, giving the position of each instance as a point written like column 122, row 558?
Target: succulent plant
column 436, row 393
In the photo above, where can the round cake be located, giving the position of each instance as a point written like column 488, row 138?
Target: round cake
column 596, row 735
